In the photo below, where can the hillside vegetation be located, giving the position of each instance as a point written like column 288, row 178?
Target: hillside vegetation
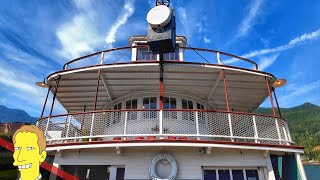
column 304, row 124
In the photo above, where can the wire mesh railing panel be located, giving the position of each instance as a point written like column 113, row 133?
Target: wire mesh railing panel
column 42, row 124
column 215, row 123
column 142, row 122
column 284, row 131
column 242, row 126
column 267, row 128
column 115, row 124
column 101, row 123
column 80, row 125
column 179, row 122
column 57, row 127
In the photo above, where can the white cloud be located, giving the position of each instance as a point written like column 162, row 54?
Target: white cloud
column 292, row 43
column 13, row 80
column 126, row 13
column 206, row 40
column 79, row 36
column 248, row 21
column 305, row 37
column 265, row 62
column 301, row 90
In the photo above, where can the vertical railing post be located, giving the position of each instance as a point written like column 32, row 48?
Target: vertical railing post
column 285, row 135
column 288, row 131
column 102, row 58
column 91, row 127
column 230, row 126
column 47, row 125
column 197, row 125
column 256, row 136
column 69, row 123
column 160, row 123
column 125, row 123
column 278, row 130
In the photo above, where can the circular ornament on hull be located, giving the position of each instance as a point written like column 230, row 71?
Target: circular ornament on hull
column 159, row 16
column 156, row 159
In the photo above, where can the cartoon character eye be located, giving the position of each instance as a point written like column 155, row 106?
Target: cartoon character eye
column 30, row 148
column 17, row 148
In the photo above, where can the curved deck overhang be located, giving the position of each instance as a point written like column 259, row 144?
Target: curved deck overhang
column 175, row 143
column 77, row 87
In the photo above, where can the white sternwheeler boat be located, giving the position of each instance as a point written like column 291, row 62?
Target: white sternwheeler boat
column 155, row 110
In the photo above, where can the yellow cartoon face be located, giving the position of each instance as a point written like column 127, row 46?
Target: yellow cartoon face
column 27, row 155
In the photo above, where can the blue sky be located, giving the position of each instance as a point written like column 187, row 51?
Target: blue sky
column 38, row 37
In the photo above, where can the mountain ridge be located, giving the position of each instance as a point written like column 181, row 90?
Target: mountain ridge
column 8, row 115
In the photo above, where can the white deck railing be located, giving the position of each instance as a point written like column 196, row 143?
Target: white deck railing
column 130, row 124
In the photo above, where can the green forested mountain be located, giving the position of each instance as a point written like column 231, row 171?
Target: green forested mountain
column 304, row 124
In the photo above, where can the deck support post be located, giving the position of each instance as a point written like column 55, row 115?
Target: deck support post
column 54, row 95
column 270, row 95
column 275, row 97
column 97, row 90
column 45, row 102
column 52, row 105
column 300, row 166
column 161, row 81
column 270, row 172
column 225, row 89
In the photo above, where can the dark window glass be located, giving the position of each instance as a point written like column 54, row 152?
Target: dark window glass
column 237, row 174
column 187, row 104
column 252, row 175
column 224, row 175
column 135, row 104
column 173, row 103
column 190, row 105
column 143, row 54
column 153, row 103
column 146, row 103
column 174, row 56
column 166, row 103
column 128, row 104
column 117, row 106
column 120, row 173
column 209, row 174
column 200, row 106
column 184, row 104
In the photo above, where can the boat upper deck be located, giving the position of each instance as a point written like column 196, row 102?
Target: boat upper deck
column 78, row 82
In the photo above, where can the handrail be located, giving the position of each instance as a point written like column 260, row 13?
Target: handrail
column 145, row 46
column 180, row 110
